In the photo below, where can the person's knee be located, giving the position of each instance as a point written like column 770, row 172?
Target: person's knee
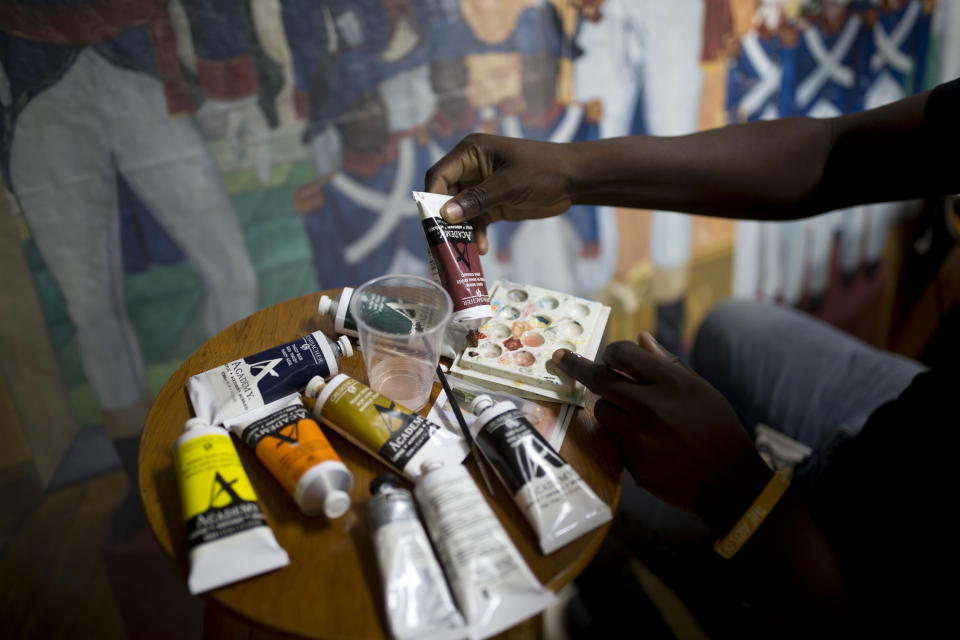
column 719, row 329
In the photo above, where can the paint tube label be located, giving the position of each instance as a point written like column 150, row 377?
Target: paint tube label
column 251, row 382
column 397, row 434
column 289, row 442
column 456, row 262
column 389, row 314
column 553, row 497
column 418, row 601
column 492, row 584
column 217, row 497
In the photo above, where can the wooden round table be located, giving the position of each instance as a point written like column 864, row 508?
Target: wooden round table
column 332, row 588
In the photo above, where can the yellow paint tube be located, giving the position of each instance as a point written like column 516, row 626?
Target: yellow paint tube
column 290, row 443
column 228, row 535
column 380, row 426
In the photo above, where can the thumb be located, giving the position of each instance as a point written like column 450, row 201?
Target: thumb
column 474, row 201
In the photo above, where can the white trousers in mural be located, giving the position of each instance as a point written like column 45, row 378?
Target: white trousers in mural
column 647, row 52
column 68, row 145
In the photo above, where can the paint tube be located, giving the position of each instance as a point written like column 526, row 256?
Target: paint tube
column 384, row 313
column 455, row 262
column 228, row 535
column 418, row 601
column 249, row 383
column 493, row 586
column 380, row 426
column 553, row 497
column 290, row 443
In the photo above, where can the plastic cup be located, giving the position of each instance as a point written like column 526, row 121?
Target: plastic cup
column 401, row 356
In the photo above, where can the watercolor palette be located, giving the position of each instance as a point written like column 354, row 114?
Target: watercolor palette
column 529, row 323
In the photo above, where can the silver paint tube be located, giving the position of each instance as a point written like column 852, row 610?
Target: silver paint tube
column 553, row 497
column 492, row 584
column 418, row 601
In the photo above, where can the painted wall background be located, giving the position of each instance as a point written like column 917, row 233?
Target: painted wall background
column 170, row 167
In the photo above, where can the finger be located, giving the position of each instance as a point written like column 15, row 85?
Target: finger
column 483, row 198
column 459, row 168
column 640, row 364
column 612, row 417
column 598, row 378
column 480, row 231
column 649, row 343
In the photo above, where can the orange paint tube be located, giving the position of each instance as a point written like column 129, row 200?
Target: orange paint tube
column 292, row 446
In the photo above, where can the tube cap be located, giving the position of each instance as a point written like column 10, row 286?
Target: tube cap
column 313, row 386
column 480, row 404
column 384, row 480
column 336, row 504
column 195, row 423
column 323, row 307
column 345, row 346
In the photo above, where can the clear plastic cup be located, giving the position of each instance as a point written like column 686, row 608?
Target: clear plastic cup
column 401, row 321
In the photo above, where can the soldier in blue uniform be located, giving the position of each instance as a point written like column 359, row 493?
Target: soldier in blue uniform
column 830, row 50
column 541, row 256
column 893, row 67
column 760, row 87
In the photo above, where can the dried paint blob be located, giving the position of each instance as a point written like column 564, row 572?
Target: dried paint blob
column 518, row 329
column 569, row 329
column 516, row 295
column 497, row 331
column 523, row 358
column 578, row 310
column 490, row 350
column 539, row 321
column 512, row 344
column 548, row 303
column 509, row 313
column 552, row 333
column 532, row 339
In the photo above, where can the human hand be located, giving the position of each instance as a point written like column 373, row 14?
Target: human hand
column 497, row 178
column 679, row 437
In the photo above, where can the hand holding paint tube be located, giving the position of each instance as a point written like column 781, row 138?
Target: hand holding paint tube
column 455, row 261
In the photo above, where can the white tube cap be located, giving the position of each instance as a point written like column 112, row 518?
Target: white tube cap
column 345, row 345
column 336, row 504
column 195, row 423
column 324, row 490
column 480, row 404
column 323, row 308
column 313, row 386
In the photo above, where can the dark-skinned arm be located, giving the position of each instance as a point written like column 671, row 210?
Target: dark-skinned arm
column 776, row 170
column 682, row 441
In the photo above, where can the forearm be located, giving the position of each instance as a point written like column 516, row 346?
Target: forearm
column 773, row 170
column 788, row 559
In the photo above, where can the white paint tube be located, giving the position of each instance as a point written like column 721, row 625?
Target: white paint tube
column 492, row 584
column 251, row 382
column 553, row 497
column 228, row 535
column 418, row 602
column 382, row 427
